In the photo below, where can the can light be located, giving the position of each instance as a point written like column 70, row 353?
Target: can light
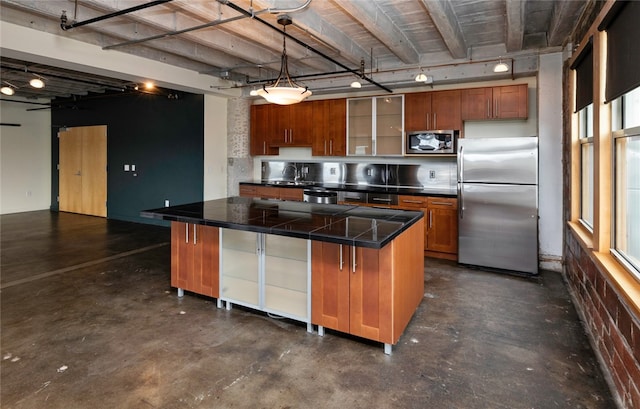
column 36, row 83
column 7, row 90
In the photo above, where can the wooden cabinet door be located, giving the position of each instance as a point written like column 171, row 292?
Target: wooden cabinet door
column 337, row 127
column 417, row 111
column 268, row 192
column 445, row 106
column 320, row 119
column 330, row 277
column 301, row 124
column 278, row 132
column 442, row 225
column 260, row 128
column 371, row 293
column 511, row 102
column 476, row 103
column 195, row 258
column 287, row 193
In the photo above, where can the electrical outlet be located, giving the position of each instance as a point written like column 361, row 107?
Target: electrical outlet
column 432, row 174
column 332, row 171
column 126, row 168
column 166, row 203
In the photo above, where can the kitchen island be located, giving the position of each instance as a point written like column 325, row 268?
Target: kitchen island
column 348, row 268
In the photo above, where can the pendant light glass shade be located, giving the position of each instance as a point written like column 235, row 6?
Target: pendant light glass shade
column 284, row 91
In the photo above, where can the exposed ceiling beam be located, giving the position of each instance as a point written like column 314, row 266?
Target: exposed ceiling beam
column 446, row 23
column 515, row 24
column 382, row 27
column 562, row 10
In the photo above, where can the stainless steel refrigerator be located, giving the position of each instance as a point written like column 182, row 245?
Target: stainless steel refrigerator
column 498, row 203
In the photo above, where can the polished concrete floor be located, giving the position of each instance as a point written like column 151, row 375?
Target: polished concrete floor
column 89, row 320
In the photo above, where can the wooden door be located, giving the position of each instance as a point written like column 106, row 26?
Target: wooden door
column 83, row 170
column 330, row 276
column 446, row 110
column 70, row 171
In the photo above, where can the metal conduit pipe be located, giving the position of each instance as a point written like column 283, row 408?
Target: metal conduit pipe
column 65, row 26
column 305, row 45
column 206, row 25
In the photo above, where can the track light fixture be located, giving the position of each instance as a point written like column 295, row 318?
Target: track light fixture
column 501, row 67
column 284, row 91
column 8, row 89
column 37, row 82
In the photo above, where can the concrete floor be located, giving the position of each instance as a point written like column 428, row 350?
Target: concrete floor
column 89, row 320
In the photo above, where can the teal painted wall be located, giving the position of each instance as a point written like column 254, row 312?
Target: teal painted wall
column 163, row 137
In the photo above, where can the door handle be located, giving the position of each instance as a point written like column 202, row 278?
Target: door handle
column 442, row 203
column 78, row 173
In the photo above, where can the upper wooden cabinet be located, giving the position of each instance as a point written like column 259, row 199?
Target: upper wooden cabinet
column 291, row 125
column 507, row 102
column 432, row 110
column 260, row 132
column 329, row 128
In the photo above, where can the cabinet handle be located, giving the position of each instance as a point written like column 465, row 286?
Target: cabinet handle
column 430, row 218
column 428, row 119
column 341, row 259
column 186, row 232
column 331, row 147
column 264, row 147
column 195, row 235
column 435, row 120
column 488, row 108
column 285, row 136
column 442, row 203
column 380, row 199
column 411, row 201
column 325, row 147
column 290, row 135
column 354, row 259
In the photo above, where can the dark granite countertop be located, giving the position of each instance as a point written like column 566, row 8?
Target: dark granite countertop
column 341, row 224
column 399, row 190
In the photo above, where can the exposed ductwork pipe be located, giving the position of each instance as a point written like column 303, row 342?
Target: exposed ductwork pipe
column 65, row 26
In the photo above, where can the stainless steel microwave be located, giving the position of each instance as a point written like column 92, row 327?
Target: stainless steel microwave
column 431, row 142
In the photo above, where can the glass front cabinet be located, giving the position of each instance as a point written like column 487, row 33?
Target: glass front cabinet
column 266, row 272
column 375, row 126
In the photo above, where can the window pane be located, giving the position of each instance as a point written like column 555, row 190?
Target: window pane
column 589, row 119
column 586, row 205
column 627, row 197
column 632, row 109
column 616, row 114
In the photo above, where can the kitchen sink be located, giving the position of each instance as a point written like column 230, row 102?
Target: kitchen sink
column 291, row 183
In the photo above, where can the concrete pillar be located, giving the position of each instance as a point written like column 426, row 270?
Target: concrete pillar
column 239, row 162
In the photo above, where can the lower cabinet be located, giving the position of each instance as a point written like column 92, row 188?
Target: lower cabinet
column 194, row 258
column 266, row 272
column 441, row 229
column 271, row 192
column 441, row 232
column 367, row 292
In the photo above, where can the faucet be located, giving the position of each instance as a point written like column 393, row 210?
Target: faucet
column 296, row 173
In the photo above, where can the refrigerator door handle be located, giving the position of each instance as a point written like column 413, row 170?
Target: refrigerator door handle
column 461, row 165
column 461, row 204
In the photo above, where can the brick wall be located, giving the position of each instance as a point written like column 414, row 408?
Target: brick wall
column 614, row 331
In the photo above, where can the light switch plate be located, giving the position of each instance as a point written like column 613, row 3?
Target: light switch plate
column 126, row 168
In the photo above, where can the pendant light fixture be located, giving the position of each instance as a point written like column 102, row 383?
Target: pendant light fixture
column 501, row 67
column 284, row 91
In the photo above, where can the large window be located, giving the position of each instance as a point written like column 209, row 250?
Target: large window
column 585, row 131
column 626, row 219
